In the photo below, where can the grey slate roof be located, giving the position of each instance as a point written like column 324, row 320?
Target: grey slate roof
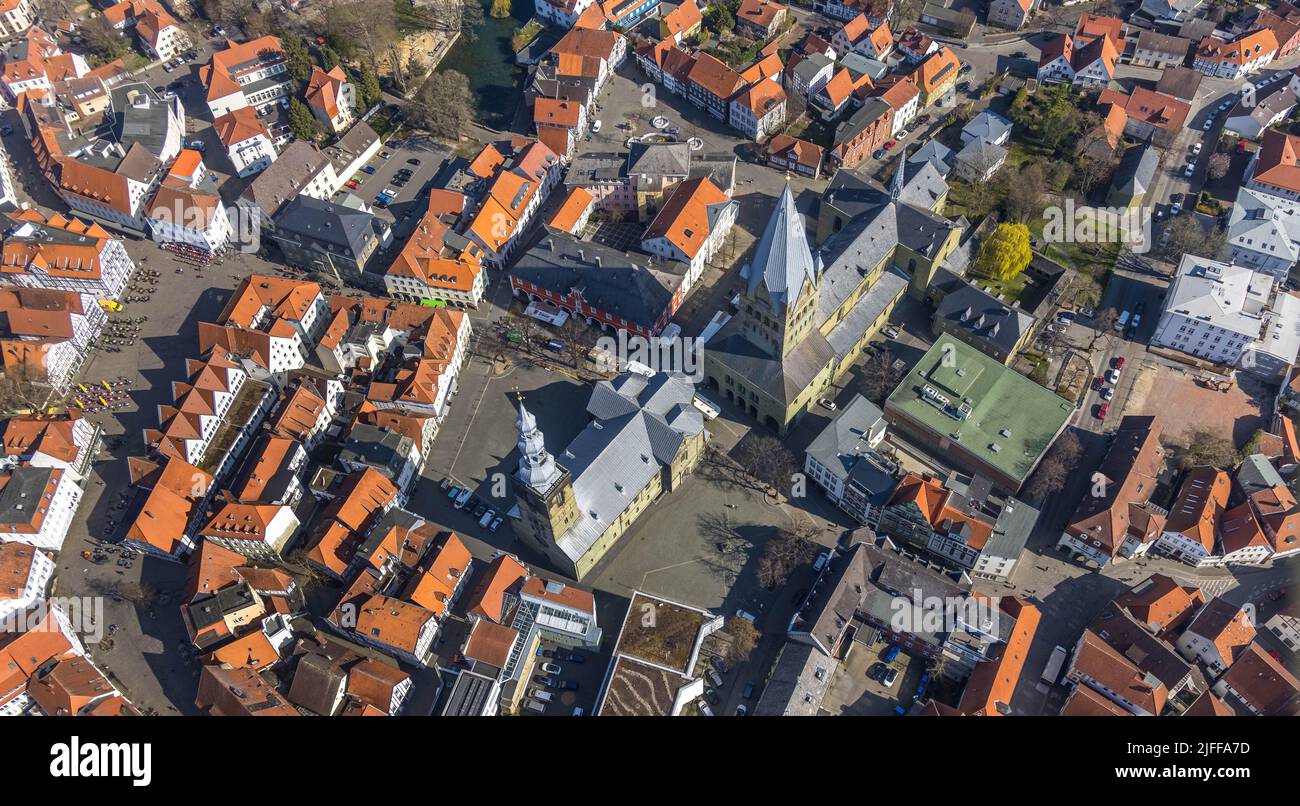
column 658, row 160
column 988, row 126
column 634, row 286
column 980, row 313
column 782, row 262
column 1137, row 169
column 841, row 442
column 285, row 178
column 326, row 226
column 22, row 496
column 639, row 424
column 798, row 682
column 936, row 154
column 1257, row 473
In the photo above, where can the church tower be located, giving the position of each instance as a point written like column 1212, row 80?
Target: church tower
column 780, row 303
column 543, row 488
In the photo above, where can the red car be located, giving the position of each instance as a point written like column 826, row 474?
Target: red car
column 1097, row 383
column 890, row 144
column 1101, row 410
column 352, row 185
column 1117, row 362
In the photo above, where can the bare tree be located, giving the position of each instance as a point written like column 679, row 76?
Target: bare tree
column 744, row 638
column 767, row 459
column 22, row 390
column 1055, row 469
column 879, row 376
column 787, row 550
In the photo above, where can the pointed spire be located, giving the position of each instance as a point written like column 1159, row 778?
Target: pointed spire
column 783, row 261
column 896, row 186
column 537, row 468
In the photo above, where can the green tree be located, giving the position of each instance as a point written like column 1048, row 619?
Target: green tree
column 296, row 57
column 1006, row 253
column 368, row 91
column 301, row 121
column 500, row 9
column 328, row 58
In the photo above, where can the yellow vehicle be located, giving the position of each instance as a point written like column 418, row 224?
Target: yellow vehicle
column 110, row 305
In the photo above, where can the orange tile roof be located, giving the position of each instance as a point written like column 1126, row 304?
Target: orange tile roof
column 763, row 97
column 221, row 74
column 1201, row 500
column 684, row 220
column 1278, row 160
column 715, row 77
column 251, row 651
column 69, row 686
column 1240, row 51
column 682, row 19
column 324, row 89
column 560, row 594
column 1240, row 528
column 1160, row 604
column 759, row 12
column 575, row 204
column 50, row 434
column 22, row 653
column 488, row 600
column 269, row 455
column 490, row 643
column 392, row 622
column 856, row 28
column 15, row 569
column 433, row 588
column 766, row 66
column 993, row 683
column 937, row 69
column 557, row 112
column 240, row 125
column 166, row 512
column 932, row 499
column 211, row 568
column 373, row 682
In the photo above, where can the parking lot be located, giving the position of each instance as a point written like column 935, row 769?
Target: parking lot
column 420, row 157
column 855, row 692
column 568, row 667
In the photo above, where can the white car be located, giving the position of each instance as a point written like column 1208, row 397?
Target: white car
column 1112, row 377
column 1196, row 147
column 1108, row 393
column 595, row 127
column 487, row 518
column 551, row 668
column 1175, row 208
column 1209, row 124
column 1190, row 169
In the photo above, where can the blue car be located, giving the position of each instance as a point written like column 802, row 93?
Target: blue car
column 369, row 169
column 890, row 654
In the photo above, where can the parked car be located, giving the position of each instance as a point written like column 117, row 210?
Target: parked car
column 495, row 524
column 821, row 560
column 829, row 405
column 454, row 492
column 595, row 127
column 1190, row 169
column 1112, row 376
column 368, row 169
column 877, row 672
column 1108, row 393
column 891, row 676
column 890, row 653
column 463, row 498
column 549, row 682
column 487, row 518
column 1087, row 313
column 413, row 161
column 351, row 185
column 1100, row 411
column 748, row 692
column 1117, row 362
column 445, row 484
column 879, row 153
column 1097, row 383
column 1020, row 54
column 550, row 668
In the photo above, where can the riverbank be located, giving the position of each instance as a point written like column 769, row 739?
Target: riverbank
column 488, row 61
